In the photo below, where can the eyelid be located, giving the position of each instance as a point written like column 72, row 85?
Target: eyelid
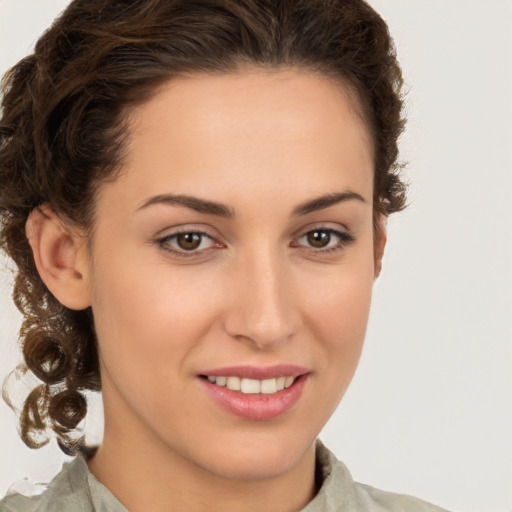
column 186, row 228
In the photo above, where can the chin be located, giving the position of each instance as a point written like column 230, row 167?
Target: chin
column 259, row 459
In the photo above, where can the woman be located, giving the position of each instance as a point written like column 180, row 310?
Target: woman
column 195, row 195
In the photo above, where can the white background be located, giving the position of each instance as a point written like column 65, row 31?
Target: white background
column 429, row 412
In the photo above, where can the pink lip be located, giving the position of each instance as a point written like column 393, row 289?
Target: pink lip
column 257, row 407
column 253, row 372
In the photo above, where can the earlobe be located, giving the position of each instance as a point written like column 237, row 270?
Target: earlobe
column 59, row 255
column 379, row 244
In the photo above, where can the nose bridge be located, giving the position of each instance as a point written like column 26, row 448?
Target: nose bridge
column 262, row 308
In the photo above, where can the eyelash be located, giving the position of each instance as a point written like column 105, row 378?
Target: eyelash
column 164, row 244
column 344, row 239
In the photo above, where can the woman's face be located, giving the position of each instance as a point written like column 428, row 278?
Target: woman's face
column 236, row 244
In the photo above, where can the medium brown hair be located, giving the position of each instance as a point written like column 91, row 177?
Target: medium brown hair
column 63, row 129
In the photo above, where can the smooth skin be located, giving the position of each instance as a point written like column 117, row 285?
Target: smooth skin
column 270, row 277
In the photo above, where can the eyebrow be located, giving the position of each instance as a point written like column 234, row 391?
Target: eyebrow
column 322, row 202
column 194, row 203
column 221, row 210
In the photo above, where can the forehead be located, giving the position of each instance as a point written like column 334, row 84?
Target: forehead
column 248, row 130
column 252, row 94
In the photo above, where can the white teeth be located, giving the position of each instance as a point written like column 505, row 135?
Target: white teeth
column 268, row 386
column 250, row 386
column 233, row 383
column 253, row 386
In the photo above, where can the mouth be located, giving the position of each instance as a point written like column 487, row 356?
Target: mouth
column 251, row 386
column 256, row 393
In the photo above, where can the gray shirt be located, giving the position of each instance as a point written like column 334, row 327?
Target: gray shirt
column 75, row 489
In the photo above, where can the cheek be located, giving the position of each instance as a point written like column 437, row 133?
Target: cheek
column 339, row 303
column 148, row 319
column 336, row 310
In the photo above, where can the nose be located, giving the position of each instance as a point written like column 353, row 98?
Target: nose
column 262, row 306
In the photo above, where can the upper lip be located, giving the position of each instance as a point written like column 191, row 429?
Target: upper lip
column 258, row 373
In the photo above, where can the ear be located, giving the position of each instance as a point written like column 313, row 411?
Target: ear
column 60, row 255
column 379, row 243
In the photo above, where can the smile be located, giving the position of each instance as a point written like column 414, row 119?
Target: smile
column 252, row 386
column 256, row 394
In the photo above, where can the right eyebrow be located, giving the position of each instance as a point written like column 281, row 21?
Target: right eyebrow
column 194, row 203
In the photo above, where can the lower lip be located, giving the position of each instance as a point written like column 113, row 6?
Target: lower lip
column 256, row 407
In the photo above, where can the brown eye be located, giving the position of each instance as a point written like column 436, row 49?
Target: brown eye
column 318, row 238
column 188, row 241
column 324, row 240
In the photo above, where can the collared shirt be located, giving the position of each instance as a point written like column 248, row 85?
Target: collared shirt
column 75, row 489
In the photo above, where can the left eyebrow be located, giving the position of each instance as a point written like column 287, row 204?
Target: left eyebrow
column 326, row 201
